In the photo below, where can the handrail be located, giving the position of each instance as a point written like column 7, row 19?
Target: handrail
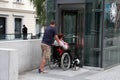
column 14, row 36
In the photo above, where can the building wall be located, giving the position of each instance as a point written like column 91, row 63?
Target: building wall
column 9, row 64
column 92, row 27
column 13, row 4
column 70, row 1
column 102, row 30
column 28, row 52
column 10, row 9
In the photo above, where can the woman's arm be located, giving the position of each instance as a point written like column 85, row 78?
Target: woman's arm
column 65, row 45
column 57, row 39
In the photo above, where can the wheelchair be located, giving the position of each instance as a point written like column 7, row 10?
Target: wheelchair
column 60, row 58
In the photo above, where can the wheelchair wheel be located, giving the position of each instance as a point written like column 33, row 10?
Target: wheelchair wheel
column 65, row 61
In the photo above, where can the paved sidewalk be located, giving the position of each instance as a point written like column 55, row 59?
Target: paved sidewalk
column 81, row 74
column 110, row 74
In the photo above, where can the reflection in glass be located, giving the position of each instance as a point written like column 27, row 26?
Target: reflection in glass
column 111, row 47
column 92, row 53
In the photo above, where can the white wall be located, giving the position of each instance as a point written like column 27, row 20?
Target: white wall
column 8, row 64
column 29, row 53
column 12, row 4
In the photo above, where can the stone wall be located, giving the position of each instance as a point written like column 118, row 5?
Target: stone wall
column 29, row 53
column 8, row 64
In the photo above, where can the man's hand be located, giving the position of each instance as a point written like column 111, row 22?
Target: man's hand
column 57, row 39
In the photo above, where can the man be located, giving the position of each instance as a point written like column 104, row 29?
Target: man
column 48, row 39
column 24, row 31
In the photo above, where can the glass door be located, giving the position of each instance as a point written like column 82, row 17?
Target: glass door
column 2, row 27
column 18, row 24
column 72, row 29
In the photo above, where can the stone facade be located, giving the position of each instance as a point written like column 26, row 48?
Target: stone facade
column 17, row 12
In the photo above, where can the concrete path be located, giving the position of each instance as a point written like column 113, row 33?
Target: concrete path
column 81, row 74
column 110, row 74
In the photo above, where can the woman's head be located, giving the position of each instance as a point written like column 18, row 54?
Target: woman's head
column 60, row 35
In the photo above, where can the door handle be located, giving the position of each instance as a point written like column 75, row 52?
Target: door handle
column 96, row 49
column 75, row 36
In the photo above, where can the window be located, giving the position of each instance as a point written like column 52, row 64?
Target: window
column 18, row 25
column 2, row 27
column 18, row 0
column 111, row 55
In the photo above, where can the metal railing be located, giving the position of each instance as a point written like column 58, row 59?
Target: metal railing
column 15, row 36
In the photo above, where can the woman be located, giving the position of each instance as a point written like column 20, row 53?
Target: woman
column 62, row 42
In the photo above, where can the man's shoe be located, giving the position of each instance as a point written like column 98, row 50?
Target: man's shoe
column 44, row 71
column 39, row 71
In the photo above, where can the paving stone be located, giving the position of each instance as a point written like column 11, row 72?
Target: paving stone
column 81, row 74
column 110, row 74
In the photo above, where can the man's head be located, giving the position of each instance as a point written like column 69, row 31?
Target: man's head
column 23, row 25
column 52, row 23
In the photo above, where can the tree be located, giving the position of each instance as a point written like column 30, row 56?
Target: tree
column 40, row 6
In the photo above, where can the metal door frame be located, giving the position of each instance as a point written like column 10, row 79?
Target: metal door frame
column 67, row 7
